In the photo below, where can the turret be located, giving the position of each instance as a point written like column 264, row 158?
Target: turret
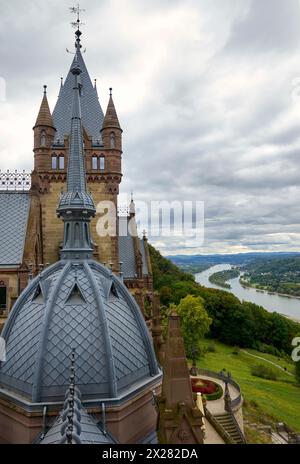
column 111, row 130
column 44, row 130
column 44, row 133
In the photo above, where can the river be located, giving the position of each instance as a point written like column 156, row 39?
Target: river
column 287, row 306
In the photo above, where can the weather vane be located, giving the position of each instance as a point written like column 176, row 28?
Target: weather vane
column 76, row 24
column 76, row 10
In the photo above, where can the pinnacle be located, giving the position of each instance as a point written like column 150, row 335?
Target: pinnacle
column 111, row 117
column 44, row 117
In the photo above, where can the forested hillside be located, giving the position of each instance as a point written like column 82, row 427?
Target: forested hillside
column 235, row 323
column 280, row 275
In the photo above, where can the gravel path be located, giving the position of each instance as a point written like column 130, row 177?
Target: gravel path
column 268, row 361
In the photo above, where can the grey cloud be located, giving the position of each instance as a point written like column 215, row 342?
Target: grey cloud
column 215, row 123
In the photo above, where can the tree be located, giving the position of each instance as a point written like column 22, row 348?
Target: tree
column 195, row 323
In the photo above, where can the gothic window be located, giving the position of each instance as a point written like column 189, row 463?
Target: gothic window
column 67, row 233
column 112, row 140
column 54, row 162
column 102, row 163
column 77, row 234
column 94, row 163
column 61, row 160
column 43, row 138
column 86, row 233
column 3, row 296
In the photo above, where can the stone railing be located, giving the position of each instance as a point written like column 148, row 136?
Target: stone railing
column 218, row 427
column 236, row 403
column 15, row 180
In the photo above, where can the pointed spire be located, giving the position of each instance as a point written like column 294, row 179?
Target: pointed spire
column 76, row 205
column 76, row 172
column 44, row 116
column 111, row 118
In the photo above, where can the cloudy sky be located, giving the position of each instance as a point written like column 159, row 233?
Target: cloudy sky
column 208, row 95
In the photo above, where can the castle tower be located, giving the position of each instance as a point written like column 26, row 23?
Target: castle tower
column 102, row 138
column 77, row 305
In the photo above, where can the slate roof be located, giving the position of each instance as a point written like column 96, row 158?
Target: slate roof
column 14, row 212
column 126, row 251
column 74, row 425
column 91, row 433
column 100, row 320
column 92, row 114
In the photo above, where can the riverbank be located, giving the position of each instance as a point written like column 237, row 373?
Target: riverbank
column 221, row 278
column 286, row 306
column 269, row 292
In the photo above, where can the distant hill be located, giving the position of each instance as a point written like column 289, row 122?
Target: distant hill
column 280, row 275
column 189, row 262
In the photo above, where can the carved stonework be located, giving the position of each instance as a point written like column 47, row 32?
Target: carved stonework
column 179, row 421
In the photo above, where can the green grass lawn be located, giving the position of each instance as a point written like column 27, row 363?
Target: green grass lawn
column 279, row 399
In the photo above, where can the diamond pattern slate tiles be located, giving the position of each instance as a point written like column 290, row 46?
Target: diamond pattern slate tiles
column 23, row 343
column 14, row 211
column 52, row 326
column 127, row 257
column 75, row 326
column 91, row 111
column 90, row 432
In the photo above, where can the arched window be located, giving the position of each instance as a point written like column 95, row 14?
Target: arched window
column 102, row 163
column 43, row 138
column 86, row 233
column 77, row 234
column 54, row 162
column 3, row 295
column 67, row 233
column 112, row 140
column 94, row 163
column 61, row 161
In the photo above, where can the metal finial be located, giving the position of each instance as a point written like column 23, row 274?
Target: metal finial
column 76, row 24
column 131, row 195
column 45, row 90
column 110, row 91
column 95, row 83
column 61, row 82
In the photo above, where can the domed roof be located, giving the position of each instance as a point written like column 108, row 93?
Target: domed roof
column 76, row 305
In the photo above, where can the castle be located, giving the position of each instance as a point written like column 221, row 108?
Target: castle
column 84, row 362
column 31, row 234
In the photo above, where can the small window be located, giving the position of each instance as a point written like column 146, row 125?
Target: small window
column 102, row 163
column 61, row 162
column 54, row 162
column 94, row 163
column 112, row 140
column 3, row 295
column 43, row 138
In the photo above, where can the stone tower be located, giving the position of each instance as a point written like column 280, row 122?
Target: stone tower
column 102, row 154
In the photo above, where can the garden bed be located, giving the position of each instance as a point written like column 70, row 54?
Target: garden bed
column 208, row 388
